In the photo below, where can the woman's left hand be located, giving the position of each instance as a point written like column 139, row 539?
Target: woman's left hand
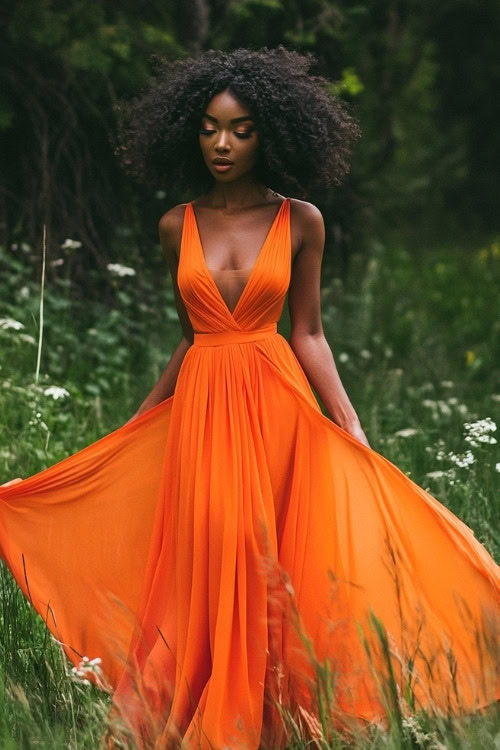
column 356, row 431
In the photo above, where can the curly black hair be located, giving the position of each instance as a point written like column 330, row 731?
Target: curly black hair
column 305, row 133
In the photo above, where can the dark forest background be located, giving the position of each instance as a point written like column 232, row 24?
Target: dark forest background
column 423, row 79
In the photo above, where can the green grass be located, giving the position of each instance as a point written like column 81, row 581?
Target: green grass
column 416, row 340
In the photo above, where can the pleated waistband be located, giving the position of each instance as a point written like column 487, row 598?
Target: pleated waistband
column 234, row 337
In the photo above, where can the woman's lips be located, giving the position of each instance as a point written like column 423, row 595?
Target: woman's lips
column 222, row 166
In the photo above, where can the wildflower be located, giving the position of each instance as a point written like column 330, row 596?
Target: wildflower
column 24, row 292
column 88, row 668
column 444, row 408
column 57, row 262
column 406, row 432
column 478, row 432
column 447, row 384
column 27, row 338
column 452, row 401
column 6, row 323
column 70, row 244
column 56, row 392
column 497, row 467
column 365, row 354
column 120, row 270
column 429, row 403
column 495, row 396
column 436, row 474
column 470, row 358
column 463, row 460
column 343, row 357
column 388, row 352
column 161, row 194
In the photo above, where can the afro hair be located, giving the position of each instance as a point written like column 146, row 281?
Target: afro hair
column 305, row 132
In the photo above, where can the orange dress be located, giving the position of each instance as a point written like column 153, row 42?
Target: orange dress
column 206, row 550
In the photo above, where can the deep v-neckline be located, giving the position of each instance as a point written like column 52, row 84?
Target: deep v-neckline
column 252, row 270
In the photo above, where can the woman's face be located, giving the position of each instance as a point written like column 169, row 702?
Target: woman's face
column 228, row 139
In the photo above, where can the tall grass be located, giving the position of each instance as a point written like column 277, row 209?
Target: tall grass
column 416, row 342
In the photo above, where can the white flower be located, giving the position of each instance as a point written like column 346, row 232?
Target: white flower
column 429, row 403
column 365, row 354
column 160, row 194
column 6, row 323
column 56, row 392
column 463, row 461
column 24, row 292
column 343, row 357
column 57, row 262
column 478, row 432
column 480, row 426
column 27, row 338
column 444, row 408
column 120, row 270
column 388, row 352
column 406, row 432
column 495, row 396
column 449, row 475
column 497, row 467
column 70, row 244
column 447, row 384
column 86, row 668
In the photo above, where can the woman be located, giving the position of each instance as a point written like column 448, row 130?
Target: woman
column 236, row 539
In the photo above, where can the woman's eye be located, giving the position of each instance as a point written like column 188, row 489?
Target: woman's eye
column 237, row 133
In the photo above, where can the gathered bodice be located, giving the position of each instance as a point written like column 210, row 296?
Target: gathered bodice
column 237, row 299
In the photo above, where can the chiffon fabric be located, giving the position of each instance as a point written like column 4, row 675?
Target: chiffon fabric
column 232, row 549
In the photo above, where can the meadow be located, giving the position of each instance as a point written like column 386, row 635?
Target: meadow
column 416, row 339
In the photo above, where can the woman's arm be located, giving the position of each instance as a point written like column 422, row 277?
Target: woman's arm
column 170, row 229
column 307, row 338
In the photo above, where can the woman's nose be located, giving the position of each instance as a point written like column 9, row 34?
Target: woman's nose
column 222, row 143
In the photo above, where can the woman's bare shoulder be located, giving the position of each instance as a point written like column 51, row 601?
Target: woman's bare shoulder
column 170, row 228
column 307, row 225
column 305, row 212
